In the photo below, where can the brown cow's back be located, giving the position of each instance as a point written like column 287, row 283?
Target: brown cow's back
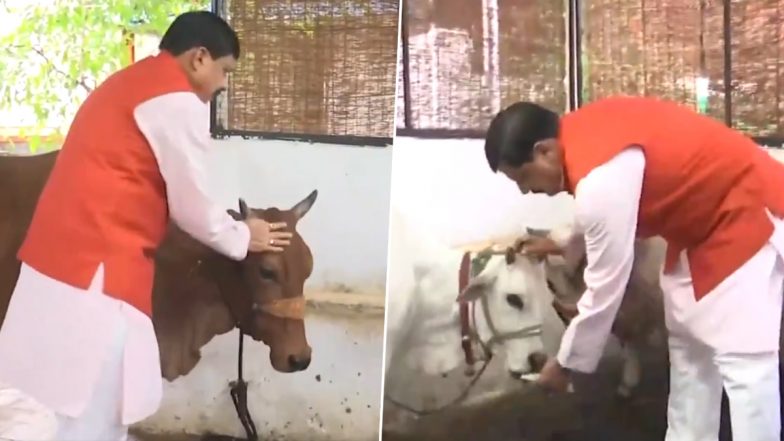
column 21, row 180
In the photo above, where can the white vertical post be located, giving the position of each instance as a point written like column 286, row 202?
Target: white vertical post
column 491, row 54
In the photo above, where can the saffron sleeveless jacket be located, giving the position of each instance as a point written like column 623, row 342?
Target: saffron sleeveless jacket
column 105, row 200
column 706, row 187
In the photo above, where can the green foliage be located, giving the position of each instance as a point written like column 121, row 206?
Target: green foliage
column 63, row 48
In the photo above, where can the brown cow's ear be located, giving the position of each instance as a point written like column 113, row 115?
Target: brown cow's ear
column 235, row 214
column 243, row 209
column 303, row 206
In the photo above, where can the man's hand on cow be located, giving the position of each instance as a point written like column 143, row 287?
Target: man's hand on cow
column 553, row 377
column 567, row 311
column 538, row 247
column 266, row 236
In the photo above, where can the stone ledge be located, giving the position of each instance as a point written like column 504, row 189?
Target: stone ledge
column 777, row 153
column 369, row 304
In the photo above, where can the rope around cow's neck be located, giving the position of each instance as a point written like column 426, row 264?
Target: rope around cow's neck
column 464, row 394
column 487, row 349
column 239, row 395
column 460, row 398
column 239, row 388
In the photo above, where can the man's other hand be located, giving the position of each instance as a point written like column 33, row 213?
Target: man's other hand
column 554, row 377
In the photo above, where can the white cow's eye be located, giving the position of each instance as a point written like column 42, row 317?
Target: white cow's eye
column 515, row 301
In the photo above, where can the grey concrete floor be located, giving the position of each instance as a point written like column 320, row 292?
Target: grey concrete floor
column 592, row 413
column 135, row 436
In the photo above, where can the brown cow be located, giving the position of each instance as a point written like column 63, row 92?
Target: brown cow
column 198, row 293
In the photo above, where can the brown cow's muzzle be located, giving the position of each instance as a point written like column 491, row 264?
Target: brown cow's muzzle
column 290, row 352
column 283, row 319
column 300, row 362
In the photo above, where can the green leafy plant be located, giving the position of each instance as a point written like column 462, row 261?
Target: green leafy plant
column 61, row 49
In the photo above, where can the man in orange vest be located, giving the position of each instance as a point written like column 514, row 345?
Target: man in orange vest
column 79, row 353
column 640, row 167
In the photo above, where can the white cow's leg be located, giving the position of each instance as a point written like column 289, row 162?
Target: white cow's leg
column 630, row 375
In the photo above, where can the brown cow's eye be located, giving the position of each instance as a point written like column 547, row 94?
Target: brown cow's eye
column 515, row 301
column 267, row 274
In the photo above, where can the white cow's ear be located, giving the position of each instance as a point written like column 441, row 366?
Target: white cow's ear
column 476, row 288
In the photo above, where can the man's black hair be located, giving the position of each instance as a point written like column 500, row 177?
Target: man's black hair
column 515, row 130
column 201, row 29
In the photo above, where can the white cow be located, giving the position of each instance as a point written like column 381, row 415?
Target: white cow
column 423, row 320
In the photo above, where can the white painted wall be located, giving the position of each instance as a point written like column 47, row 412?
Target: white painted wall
column 341, row 404
column 777, row 153
column 447, row 188
column 347, row 227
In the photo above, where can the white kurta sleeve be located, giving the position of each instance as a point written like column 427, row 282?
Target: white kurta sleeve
column 177, row 127
column 606, row 205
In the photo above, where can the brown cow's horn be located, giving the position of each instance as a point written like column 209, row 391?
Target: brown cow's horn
column 243, row 209
column 303, row 206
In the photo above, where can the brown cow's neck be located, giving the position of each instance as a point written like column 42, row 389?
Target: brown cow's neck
column 189, row 308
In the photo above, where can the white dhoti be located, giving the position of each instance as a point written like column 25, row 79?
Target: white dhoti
column 75, row 365
column 729, row 339
column 22, row 418
column 102, row 417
